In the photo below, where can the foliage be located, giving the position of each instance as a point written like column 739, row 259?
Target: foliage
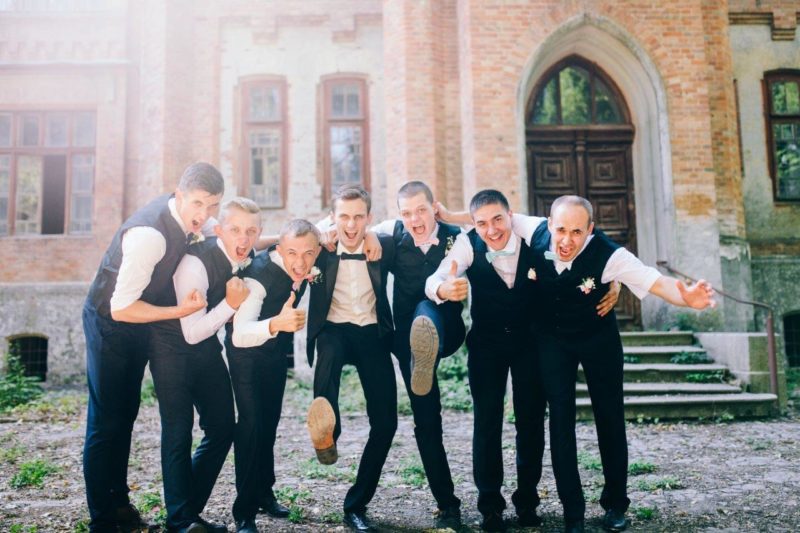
column 708, row 320
column 10, row 454
column 662, row 483
column 53, row 405
column 148, row 394
column 717, row 376
column 644, row 513
column 637, row 468
column 412, row 473
column 15, row 387
column 632, row 359
column 454, row 382
column 332, row 518
column 32, row 474
column 690, row 358
column 589, row 461
column 291, row 498
column 19, row 528
column 148, row 502
column 793, row 379
column 312, row 469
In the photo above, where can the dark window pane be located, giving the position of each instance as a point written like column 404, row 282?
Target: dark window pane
column 32, row 353
column 575, row 96
column 346, row 100
column 84, row 130
column 80, row 215
column 56, row 133
column 29, row 132
column 5, row 185
column 791, row 334
column 787, row 159
column 53, row 194
column 29, row 193
column 606, row 109
column 545, row 110
column 265, row 103
column 785, row 98
column 5, row 129
column 265, row 164
column 346, row 156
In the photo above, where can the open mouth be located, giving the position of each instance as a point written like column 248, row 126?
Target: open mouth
column 298, row 273
column 242, row 251
column 196, row 226
column 419, row 231
column 564, row 253
column 351, row 235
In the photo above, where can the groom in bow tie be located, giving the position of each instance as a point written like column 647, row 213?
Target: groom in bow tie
column 189, row 371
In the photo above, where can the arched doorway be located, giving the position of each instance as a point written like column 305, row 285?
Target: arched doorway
column 578, row 137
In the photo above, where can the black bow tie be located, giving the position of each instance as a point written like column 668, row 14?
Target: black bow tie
column 355, row 257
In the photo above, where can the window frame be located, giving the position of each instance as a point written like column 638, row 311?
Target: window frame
column 327, row 120
column 248, row 126
column 771, row 76
column 16, row 151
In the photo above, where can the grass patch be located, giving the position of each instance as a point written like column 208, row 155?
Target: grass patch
column 758, row 444
column 717, row 376
column 332, row 518
column 148, row 394
column 662, row 483
column 412, row 473
column 631, row 359
column 148, row 502
column 54, row 405
column 589, row 461
column 792, row 379
column 291, row 498
column 32, row 474
column 644, row 513
column 454, row 382
column 312, row 469
column 351, row 394
column 638, row 468
column 10, row 454
column 690, row 358
column 15, row 387
column 20, row 528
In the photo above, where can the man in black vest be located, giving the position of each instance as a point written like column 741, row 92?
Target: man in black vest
column 494, row 260
column 572, row 264
column 424, row 332
column 132, row 289
column 189, row 370
column 262, row 335
column 350, row 322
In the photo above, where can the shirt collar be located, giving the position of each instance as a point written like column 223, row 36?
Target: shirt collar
column 568, row 264
column 221, row 245
column 510, row 247
column 173, row 210
column 340, row 249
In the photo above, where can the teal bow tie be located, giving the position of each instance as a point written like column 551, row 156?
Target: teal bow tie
column 491, row 255
column 550, row 255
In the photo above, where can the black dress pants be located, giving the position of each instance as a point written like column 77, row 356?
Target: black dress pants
column 259, row 379
column 492, row 355
column 188, row 377
column 341, row 344
column 601, row 356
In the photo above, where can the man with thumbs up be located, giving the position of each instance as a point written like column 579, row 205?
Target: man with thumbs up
column 189, row 371
column 257, row 344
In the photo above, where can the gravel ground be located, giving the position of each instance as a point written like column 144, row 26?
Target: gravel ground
column 702, row 476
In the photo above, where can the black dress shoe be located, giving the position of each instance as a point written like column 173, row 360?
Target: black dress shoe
column 273, row 508
column 449, row 517
column 493, row 522
column 574, row 527
column 128, row 519
column 528, row 518
column 357, row 522
column 614, row 520
column 212, row 527
column 246, row 526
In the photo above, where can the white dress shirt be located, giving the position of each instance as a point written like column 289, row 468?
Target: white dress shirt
column 191, row 274
column 142, row 248
column 353, row 297
column 622, row 266
column 462, row 253
column 248, row 330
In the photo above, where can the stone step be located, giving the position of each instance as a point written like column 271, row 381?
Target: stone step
column 650, row 338
column 743, row 405
column 654, row 389
column 662, row 372
column 660, row 354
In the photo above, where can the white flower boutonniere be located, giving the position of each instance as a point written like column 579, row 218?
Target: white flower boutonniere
column 532, row 274
column 315, row 276
column 587, row 285
column 450, row 242
column 194, row 238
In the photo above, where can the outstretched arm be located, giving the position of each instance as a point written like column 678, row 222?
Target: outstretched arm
column 697, row 296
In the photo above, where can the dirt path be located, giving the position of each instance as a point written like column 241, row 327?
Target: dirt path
column 725, row 476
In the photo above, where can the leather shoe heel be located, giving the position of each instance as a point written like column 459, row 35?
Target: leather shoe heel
column 246, row 526
column 614, row 521
column 357, row 522
column 273, row 508
column 321, row 423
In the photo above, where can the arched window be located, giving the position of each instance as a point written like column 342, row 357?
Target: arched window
column 32, row 353
column 791, row 336
column 574, row 92
column 782, row 112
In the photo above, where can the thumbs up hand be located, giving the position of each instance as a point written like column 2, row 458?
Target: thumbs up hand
column 453, row 288
column 289, row 319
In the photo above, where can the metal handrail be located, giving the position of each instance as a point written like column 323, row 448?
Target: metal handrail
column 771, row 357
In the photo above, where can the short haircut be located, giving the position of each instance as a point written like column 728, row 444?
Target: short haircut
column 486, row 197
column 351, row 192
column 240, row 203
column 202, row 176
column 299, row 227
column 571, row 199
column 413, row 188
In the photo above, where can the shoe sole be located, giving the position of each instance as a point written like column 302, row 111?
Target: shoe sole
column 424, row 343
column 321, row 423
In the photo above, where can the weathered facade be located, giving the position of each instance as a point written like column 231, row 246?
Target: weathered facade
column 678, row 120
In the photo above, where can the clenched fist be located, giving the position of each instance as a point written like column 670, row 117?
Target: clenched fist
column 193, row 302
column 235, row 292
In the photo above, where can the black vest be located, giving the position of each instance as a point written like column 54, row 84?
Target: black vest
column 278, row 286
column 218, row 268
column 412, row 267
column 322, row 293
column 160, row 291
column 495, row 307
column 561, row 307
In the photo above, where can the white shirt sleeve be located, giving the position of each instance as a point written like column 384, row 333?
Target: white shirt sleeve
column 385, row 228
column 629, row 270
column 142, row 248
column 461, row 253
column 524, row 226
column 200, row 325
column 248, row 330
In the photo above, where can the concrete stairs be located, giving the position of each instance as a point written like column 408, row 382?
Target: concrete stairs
column 693, row 386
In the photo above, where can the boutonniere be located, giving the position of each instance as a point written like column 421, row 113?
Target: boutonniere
column 194, row 238
column 532, row 274
column 450, row 242
column 587, row 285
column 314, row 276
